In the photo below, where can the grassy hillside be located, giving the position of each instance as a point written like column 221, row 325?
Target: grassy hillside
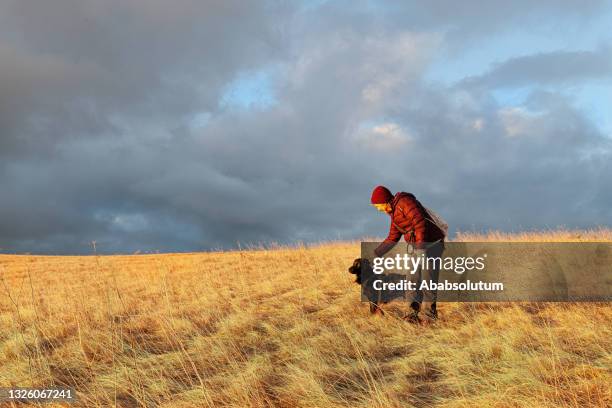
column 285, row 327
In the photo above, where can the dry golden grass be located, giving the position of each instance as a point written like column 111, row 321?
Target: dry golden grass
column 284, row 327
column 553, row 235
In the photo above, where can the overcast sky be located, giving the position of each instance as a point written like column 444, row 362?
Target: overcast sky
column 150, row 125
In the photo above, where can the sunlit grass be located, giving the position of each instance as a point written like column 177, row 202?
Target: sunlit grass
column 284, row 327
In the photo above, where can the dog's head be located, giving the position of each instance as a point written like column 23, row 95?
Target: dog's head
column 365, row 276
column 357, row 269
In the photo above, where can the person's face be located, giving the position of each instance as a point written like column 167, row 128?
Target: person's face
column 386, row 207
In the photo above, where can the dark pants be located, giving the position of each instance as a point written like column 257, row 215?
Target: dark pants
column 428, row 272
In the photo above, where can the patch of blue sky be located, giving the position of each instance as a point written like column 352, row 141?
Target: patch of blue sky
column 595, row 100
column 308, row 5
column 592, row 98
column 363, row 6
column 250, row 90
column 512, row 96
column 478, row 58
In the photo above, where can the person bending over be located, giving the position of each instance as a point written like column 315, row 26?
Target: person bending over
column 410, row 219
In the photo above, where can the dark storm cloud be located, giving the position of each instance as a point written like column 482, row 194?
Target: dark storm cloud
column 69, row 67
column 90, row 94
column 98, row 142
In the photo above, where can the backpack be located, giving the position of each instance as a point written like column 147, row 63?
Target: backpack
column 432, row 216
column 437, row 221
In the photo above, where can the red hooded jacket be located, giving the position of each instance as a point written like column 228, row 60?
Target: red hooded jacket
column 410, row 219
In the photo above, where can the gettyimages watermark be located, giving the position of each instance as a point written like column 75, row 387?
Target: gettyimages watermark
column 489, row 272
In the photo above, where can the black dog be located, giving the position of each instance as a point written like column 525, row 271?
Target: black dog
column 365, row 277
column 357, row 269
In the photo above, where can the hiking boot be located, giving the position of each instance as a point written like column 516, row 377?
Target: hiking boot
column 431, row 313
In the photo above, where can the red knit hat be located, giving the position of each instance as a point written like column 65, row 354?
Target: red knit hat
column 381, row 195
